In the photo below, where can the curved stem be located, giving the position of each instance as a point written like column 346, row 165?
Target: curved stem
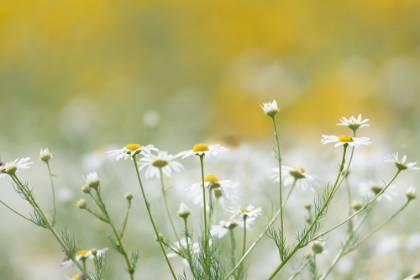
column 17, row 213
column 151, row 217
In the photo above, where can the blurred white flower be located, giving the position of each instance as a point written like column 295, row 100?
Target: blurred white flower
column 82, row 254
column 270, row 108
column 224, row 226
column 345, row 139
column 162, row 161
column 45, row 155
column 181, row 249
column 401, row 165
column 250, row 212
column 151, row 118
column 298, row 173
column 371, row 189
column 203, row 149
column 354, row 123
column 131, row 150
column 14, row 166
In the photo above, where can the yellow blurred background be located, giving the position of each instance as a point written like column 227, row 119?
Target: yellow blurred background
column 76, row 75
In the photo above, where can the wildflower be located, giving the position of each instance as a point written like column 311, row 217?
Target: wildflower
column 374, row 189
column 45, row 155
column 401, row 165
column 223, row 227
column 161, row 161
column 182, row 247
column 13, row 166
column 345, row 139
column 249, row 212
column 270, row 108
column 129, row 196
column 298, row 173
column 222, row 191
column 82, row 255
column 201, row 149
column 317, row 247
column 92, row 180
column 81, row 203
column 356, row 205
column 131, row 150
column 411, row 193
column 183, row 211
column 354, row 123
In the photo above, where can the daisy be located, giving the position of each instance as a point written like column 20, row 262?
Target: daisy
column 183, row 211
column 81, row 255
column 401, row 165
column 92, row 180
column 45, row 155
column 203, row 149
column 354, row 123
column 270, row 108
column 13, row 166
column 250, row 212
column 345, row 139
column 298, row 173
column 222, row 191
column 162, row 161
column 411, row 193
column 370, row 187
column 182, row 247
column 224, row 226
column 131, row 150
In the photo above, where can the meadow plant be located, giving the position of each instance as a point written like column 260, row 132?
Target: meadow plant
column 201, row 246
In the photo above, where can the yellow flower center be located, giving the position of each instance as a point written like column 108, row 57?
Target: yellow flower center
column 132, row 147
column 160, row 163
column 345, row 138
column 200, row 148
column 211, row 178
column 297, row 172
column 82, row 253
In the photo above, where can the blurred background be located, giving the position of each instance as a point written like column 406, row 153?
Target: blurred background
column 82, row 77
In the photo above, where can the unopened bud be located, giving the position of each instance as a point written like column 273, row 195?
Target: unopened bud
column 129, row 196
column 81, row 203
column 411, row 193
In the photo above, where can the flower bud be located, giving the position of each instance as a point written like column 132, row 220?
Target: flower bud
column 356, row 205
column 317, row 247
column 307, row 206
column 411, row 193
column 45, row 155
column 129, row 196
column 85, row 189
column 183, row 211
column 81, row 203
column 94, row 251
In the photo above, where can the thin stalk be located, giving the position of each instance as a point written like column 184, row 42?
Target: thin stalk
column 166, row 203
column 290, row 192
column 244, row 243
column 299, row 270
column 17, row 213
column 124, row 224
column 52, row 188
column 189, row 248
column 206, row 233
column 151, row 217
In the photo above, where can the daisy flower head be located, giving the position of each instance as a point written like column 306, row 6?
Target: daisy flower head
column 223, row 227
column 401, row 164
column 202, row 149
column 270, row 108
column 249, row 212
column 181, row 248
column 160, row 162
column 345, row 140
column 354, row 123
column 45, row 155
column 411, row 193
column 130, row 150
column 295, row 173
column 13, row 166
column 183, row 211
column 222, row 191
column 92, row 180
column 372, row 189
column 82, row 254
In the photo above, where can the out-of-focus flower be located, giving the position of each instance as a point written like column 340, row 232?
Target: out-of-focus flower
column 182, row 247
column 222, row 191
column 203, row 149
column 250, row 212
column 411, row 193
column 298, row 173
column 162, row 161
column 183, row 211
column 151, row 118
column 345, row 139
column 270, row 108
column 131, row 150
column 401, row 164
column 45, row 155
column 372, row 189
column 82, row 254
column 14, row 166
column 354, row 123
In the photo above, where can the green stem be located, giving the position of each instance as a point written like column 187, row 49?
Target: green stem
column 206, row 229
column 166, row 203
column 124, row 224
column 299, row 270
column 52, row 188
column 189, row 248
column 290, row 192
column 14, row 211
column 151, row 217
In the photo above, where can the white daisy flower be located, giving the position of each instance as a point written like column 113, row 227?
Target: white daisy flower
column 270, row 108
column 298, row 173
column 131, row 150
column 345, row 139
column 401, row 165
column 354, row 123
column 250, row 212
column 224, row 226
column 14, row 166
column 92, row 180
column 222, row 191
column 183, row 211
column 45, row 155
column 372, row 189
column 181, row 248
column 162, row 161
column 82, row 254
column 411, row 193
column 203, row 149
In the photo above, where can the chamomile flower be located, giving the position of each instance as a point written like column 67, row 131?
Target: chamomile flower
column 82, row 254
column 181, row 248
column 92, row 180
column 14, row 166
column 183, row 211
column 354, row 123
column 250, row 212
column 270, row 108
column 298, row 173
column 222, row 191
column 345, row 139
column 401, row 165
column 45, row 155
column 372, row 189
column 131, row 150
column 162, row 161
column 224, row 226
column 201, row 149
